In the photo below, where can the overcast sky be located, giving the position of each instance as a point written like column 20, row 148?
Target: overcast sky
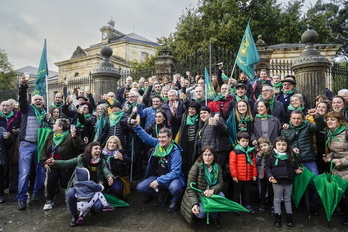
column 67, row 24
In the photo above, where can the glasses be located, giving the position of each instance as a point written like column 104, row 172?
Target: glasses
column 266, row 90
column 132, row 96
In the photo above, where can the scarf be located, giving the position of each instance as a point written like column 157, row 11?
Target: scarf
column 8, row 116
column 332, row 134
column 191, row 120
column 161, row 152
column 246, row 151
column 271, row 103
column 131, row 105
column 93, row 161
column 157, row 130
column 303, row 125
column 78, row 123
column 242, row 98
column 40, row 114
column 108, row 155
column 289, row 92
column 262, row 82
column 242, row 124
column 54, row 105
column 279, row 156
column 213, row 176
column 280, row 84
column 290, row 107
column 164, row 99
column 219, row 97
column 114, row 118
column 264, row 116
column 200, row 100
column 59, row 138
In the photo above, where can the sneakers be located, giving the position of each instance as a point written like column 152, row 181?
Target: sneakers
column 72, row 222
column 22, row 205
column 251, row 211
column 49, row 205
column 80, row 220
column 108, row 208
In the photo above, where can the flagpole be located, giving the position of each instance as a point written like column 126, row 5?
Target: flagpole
column 234, row 66
column 46, row 89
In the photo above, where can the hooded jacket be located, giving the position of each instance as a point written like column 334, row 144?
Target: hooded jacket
column 85, row 188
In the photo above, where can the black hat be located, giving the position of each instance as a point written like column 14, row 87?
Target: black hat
column 195, row 105
column 90, row 107
column 82, row 97
column 289, row 80
column 117, row 104
column 240, row 85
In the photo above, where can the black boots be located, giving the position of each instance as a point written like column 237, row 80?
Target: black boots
column 289, row 220
column 278, row 220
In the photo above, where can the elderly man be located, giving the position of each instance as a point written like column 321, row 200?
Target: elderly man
column 164, row 169
column 300, row 134
column 277, row 109
column 32, row 118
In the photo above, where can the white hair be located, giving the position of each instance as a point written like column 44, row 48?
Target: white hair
column 173, row 91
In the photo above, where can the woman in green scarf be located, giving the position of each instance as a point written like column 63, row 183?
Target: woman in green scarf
column 296, row 103
column 207, row 175
column 60, row 145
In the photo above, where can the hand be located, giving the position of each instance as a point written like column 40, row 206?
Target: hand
column 118, row 155
column 254, row 143
column 298, row 171
column 195, row 209
column 110, row 181
column 48, row 168
column 87, row 90
column 285, row 126
column 48, row 116
column 326, row 159
column 73, row 132
column 154, row 184
column 312, row 112
column 254, row 178
column 272, row 180
column 183, row 97
column 15, row 131
column 208, row 192
column 23, row 81
column 85, row 140
column 337, row 162
column 50, row 161
column 212, row 121
column 296, row 150
column 235, row 179
column 6, row 134
column 140, row 100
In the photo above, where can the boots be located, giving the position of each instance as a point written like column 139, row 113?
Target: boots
column 289, row 220
column 278, row 220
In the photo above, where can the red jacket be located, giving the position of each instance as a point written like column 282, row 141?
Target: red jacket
column 239, row 166
column 220, row 105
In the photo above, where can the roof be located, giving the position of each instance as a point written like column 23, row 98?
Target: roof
column 295, row 46
column 33, row 71
column 132, row 37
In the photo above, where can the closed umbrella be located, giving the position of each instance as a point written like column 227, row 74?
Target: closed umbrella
column 42, row 135
column 301, row 183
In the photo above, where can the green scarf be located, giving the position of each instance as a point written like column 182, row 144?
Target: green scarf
column 164, row 99
column 271, row 103
column 7, row 117
column 243, row 121
column 59, row 138
column 161, row 152
column 241, row 98
column 290, row 92
column 200, row 100
column 246, row 151
column 191, row 120
column 280, row 156
column 157, row 130
column 131, row 105
column 290, row 107
column 262, row 81
column 303, row 125
column 114, row 118
column 213, row 176
column 54, row 105
column 78, row 123
column 264, row 116
column 280, row 84
column 219, row 97
column 332, row 134
column 40, row 114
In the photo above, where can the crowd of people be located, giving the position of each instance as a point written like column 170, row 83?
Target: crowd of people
column 165, row 134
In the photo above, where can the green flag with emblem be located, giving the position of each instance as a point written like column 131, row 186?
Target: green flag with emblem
column 42, row 73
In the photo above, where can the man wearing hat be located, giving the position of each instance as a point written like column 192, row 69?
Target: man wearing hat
column 243, row 79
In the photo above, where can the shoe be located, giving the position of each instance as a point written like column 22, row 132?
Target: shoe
column 35, row 197
column 173, row 207
column 251, row 211
column 278, row 221
column 72, row 222
column 262, row 210
column 148, row 199
column 108, row 208
column 22, row 205
column 80, row 221
column 162, row 198
column 48, row 205
column 216, row 223
column 289, row 220
column 2, row 199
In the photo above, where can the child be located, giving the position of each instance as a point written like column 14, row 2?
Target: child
column 264, row 145
column 243, row 169
column 281, row 167
column 87, row 193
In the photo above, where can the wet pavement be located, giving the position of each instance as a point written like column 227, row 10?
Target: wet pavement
column 148, row 217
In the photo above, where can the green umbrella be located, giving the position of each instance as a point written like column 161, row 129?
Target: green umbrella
column 217, row 203
column 42, row 135
column 114, row 201
column 330, row 189
column 301, row 183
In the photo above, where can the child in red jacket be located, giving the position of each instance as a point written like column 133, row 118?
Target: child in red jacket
column 243, row 169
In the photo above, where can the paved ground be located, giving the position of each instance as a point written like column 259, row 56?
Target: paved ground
column 147, row 217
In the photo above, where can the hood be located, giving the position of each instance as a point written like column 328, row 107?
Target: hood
column 82, row 174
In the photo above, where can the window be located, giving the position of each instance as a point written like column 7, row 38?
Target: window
column 144, row 56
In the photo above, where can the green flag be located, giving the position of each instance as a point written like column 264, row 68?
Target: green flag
column 247, row 54
column 42, row 73
column 209, row 89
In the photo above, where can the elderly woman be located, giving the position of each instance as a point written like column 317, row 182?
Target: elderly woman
column 90, row 159
column 337, row 143
column 60, row 145
column 207, row 175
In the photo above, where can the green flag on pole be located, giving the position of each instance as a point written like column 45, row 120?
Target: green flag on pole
column 42, row 73
column 247, row 54
column 209, row 89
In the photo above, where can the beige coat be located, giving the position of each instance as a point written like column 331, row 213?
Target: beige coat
column 339, row 150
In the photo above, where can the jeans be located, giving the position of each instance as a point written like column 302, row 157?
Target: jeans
column 175, row 188
column 28, row 154
column 313, row 194
column 117, row 187
column 71, row 202
column 204, row 215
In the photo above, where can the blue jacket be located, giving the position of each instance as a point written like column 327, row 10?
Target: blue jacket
column 148, row 113
column 174, row 159
column 85, row 188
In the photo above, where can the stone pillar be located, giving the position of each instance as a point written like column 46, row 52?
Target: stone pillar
column 310, row 68
column 106, row 75
column 165, row 64
column 265, row 55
